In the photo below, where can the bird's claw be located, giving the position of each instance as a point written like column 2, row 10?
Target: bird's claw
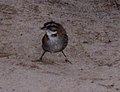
column 68, row 61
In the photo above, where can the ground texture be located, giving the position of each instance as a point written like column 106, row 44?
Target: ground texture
column 93, row 27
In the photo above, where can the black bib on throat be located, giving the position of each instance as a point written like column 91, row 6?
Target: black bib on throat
column 54, row 35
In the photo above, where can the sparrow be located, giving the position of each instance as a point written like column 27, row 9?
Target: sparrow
column 55, row 39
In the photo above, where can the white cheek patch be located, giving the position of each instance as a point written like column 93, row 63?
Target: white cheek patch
column 49, row 33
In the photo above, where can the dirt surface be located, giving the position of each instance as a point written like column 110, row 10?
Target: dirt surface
column 93, row 27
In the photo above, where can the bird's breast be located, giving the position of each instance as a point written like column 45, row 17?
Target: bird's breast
column 53, row 43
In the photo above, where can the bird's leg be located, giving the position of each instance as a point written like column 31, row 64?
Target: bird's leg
column 42, row 56
column 40, row 59
column 66, row 59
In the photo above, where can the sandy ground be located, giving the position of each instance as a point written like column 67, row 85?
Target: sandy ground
column 93, row 27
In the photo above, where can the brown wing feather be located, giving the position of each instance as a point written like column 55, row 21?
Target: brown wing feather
column 65, row 40
column 44, row 43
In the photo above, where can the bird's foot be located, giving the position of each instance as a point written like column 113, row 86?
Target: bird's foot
column 66, row 60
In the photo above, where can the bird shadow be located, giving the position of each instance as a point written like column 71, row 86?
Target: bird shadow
column 45, row 61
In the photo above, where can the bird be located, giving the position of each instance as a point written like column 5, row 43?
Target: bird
column 54, row 40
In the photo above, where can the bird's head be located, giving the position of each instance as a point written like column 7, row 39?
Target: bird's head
column 51, row 27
